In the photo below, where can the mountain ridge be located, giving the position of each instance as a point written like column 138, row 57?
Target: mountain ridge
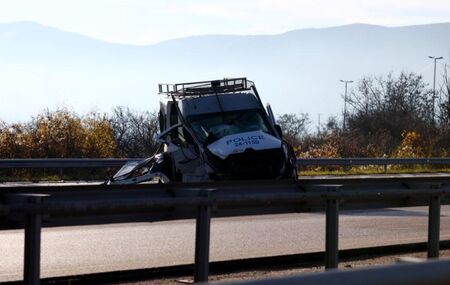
column 297, row 71
column 36, row 25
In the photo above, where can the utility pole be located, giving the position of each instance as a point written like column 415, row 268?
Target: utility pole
column 435, row 59
column 345, row 101
column 318, row 127
column 447, row 89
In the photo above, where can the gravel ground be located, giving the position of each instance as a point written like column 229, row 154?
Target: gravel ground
column 283, row 271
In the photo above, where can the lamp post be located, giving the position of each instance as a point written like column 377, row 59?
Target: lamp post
column 318, row 126
column 345, row 101
column 435, row 59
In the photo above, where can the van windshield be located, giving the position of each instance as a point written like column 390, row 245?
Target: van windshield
column 211, row 127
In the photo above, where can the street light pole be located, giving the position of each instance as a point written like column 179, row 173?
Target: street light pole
column 318, row 127
column 435, row 59
column 345, row 101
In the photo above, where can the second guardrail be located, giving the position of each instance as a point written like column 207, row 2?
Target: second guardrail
column 37, row 206
column 301, row 162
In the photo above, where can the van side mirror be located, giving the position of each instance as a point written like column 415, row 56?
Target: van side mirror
column 161, row 138
column 279, row 131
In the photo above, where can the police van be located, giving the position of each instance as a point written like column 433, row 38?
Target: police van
column 210, row 131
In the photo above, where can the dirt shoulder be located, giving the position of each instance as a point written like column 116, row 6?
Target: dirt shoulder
column 284, row 271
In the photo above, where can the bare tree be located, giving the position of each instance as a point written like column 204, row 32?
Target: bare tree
column 293, row 126
column 382, row 108
column 444, row 106
column 134, row 131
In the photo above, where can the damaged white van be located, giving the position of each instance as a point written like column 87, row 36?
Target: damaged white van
column 214, row 130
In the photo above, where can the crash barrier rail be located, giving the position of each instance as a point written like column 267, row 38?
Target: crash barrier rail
column 424, row 273
column 65, row 162
column 118, row 162
column 355, row 161
column 32, row 207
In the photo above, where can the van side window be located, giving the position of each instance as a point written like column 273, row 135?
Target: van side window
column 173, row 120
column 162, row 121
column 173, row 115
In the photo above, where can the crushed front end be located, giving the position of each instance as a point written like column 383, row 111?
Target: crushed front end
column 217, row 130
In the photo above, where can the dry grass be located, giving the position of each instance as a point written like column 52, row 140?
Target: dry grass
column 371, row 170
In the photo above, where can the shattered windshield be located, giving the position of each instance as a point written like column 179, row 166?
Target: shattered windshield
column 211, row 127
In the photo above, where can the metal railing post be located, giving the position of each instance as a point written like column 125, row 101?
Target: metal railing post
column 434, row 215
column 332, row 229
column 32, row 255
column 202, row 238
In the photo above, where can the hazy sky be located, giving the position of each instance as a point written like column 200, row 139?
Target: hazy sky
column 152, row 21
column 147, row 22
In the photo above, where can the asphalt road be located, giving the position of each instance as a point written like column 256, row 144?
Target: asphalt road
column 89, row 249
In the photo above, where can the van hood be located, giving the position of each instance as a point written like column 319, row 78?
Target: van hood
column 238, row 143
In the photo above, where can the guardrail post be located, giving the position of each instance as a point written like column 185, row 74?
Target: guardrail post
column 33, row 224
column 434, row 215
column 332, row 229
column 202, row 237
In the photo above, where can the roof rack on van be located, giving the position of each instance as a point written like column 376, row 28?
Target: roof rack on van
column 225, row 85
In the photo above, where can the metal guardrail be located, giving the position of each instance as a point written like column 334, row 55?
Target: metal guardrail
column 37, row 206
column 355, row 161
column 118, row 162
column 426, row 273
column 65, row 162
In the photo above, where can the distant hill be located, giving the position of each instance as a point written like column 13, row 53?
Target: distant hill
column 297, row 71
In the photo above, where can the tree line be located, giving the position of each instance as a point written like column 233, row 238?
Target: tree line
column 62, row 133
column 390, row 116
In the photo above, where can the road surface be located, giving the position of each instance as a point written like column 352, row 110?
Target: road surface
column 91, row 249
